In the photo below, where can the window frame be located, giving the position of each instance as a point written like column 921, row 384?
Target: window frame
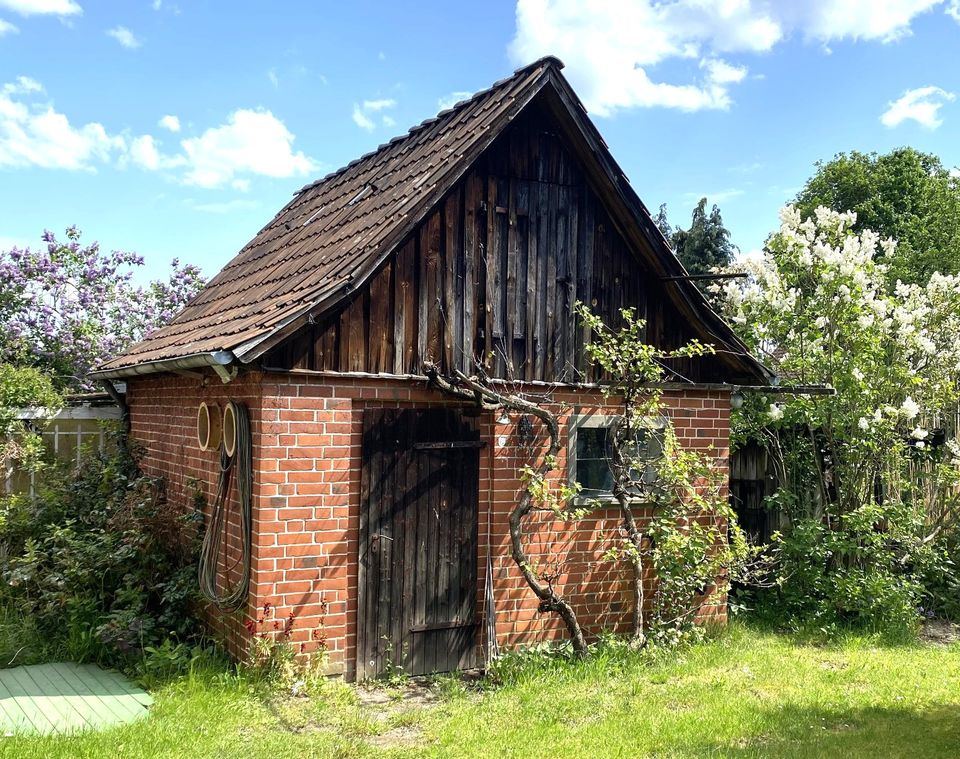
column 581, row 419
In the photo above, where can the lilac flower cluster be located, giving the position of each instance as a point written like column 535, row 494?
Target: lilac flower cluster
column 65, row 307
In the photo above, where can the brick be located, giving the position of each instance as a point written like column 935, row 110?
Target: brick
column 307, row 435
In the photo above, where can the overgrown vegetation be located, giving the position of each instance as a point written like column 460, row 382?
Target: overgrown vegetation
column 687, row 536
column 99, row 566
column 869, row 477
column 906, row 195
column 23, row 388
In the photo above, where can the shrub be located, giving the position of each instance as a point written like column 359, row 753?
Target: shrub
column 100, row 563
column 866, row 569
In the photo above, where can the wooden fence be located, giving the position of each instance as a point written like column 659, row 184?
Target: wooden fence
column 79, row 425
column 751, row 481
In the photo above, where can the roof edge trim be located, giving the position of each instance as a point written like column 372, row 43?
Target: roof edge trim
column 195, row 361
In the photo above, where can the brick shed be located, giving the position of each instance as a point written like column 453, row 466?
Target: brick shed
column 380, row 506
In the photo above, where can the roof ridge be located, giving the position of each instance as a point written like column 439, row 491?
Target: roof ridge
column 545, row 62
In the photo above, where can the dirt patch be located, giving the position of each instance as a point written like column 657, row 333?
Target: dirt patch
column 399, row 736
column 398, row 709
column 386, row 699
column 940, row 632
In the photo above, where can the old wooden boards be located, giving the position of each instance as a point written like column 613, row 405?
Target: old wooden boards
column 492, row 275
column 417, row 580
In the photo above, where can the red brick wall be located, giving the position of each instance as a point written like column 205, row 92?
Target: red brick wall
column 307, row 459
column 163, row 418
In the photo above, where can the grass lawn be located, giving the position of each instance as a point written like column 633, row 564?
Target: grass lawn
column 746, row 693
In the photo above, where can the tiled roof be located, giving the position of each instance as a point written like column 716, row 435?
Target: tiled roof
column 335, row 229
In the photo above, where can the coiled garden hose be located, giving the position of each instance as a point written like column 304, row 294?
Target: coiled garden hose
column 216, row 537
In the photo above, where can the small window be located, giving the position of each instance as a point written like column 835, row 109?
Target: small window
column 589, row 455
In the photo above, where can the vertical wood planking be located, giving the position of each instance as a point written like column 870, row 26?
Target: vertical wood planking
column 573, row 294
column 383, row 538
column 511, row 257
column 543, row 252
column 533, row 225
column 519, row 306
column 363, row 549
column 408, row 577
column 418, row 581
column 396, row 443
column 554, row 241
column 406, row 313
column 585, row 277
column 490, row 260
column 353, row 333
column 382, row 320
column 434, row 290
column 452, row 324
column 493, row 273
column 472, row 195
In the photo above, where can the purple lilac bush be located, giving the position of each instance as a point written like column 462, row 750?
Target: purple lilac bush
column 66, row 307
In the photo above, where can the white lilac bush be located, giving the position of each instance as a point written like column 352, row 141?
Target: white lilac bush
column 869, row 473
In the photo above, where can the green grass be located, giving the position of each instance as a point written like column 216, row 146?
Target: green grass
column 747, row 693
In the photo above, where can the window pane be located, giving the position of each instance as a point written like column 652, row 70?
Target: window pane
column 593, row 471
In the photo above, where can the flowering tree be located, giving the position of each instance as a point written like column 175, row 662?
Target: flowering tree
column 65, row 307
column 816, row 306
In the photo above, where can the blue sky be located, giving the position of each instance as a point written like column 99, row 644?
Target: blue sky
column 180, row 128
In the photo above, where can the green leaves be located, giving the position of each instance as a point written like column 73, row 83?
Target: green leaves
column 678, row 523
column 100, row 562
column 905, row 194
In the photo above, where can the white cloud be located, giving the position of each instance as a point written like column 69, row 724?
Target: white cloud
column 170, row 123
column 745, row 168
column 361, row 119
column 379, row 105
column 34, row 134
column 143, row 151
column 125, row 37
column 159, row 5
column 42, row 7
column 612, row 47
column 448, row 101
column 251, row 142
column 362, row 114
column 24, row 85
column 883, row 20
column 921, row 105
column 274, row 79
column 7, row 28
column 717, row 198
column 953, row 10
column 227, row 206
column 722, row 72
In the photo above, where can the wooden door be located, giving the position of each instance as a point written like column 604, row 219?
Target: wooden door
column 417, row 580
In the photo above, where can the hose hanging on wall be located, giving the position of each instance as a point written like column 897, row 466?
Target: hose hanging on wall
column 216, row 536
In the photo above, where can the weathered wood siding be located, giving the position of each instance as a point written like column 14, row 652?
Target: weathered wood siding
column 493, row 274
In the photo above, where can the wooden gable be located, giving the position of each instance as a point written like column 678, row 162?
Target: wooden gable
column 493, row 272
